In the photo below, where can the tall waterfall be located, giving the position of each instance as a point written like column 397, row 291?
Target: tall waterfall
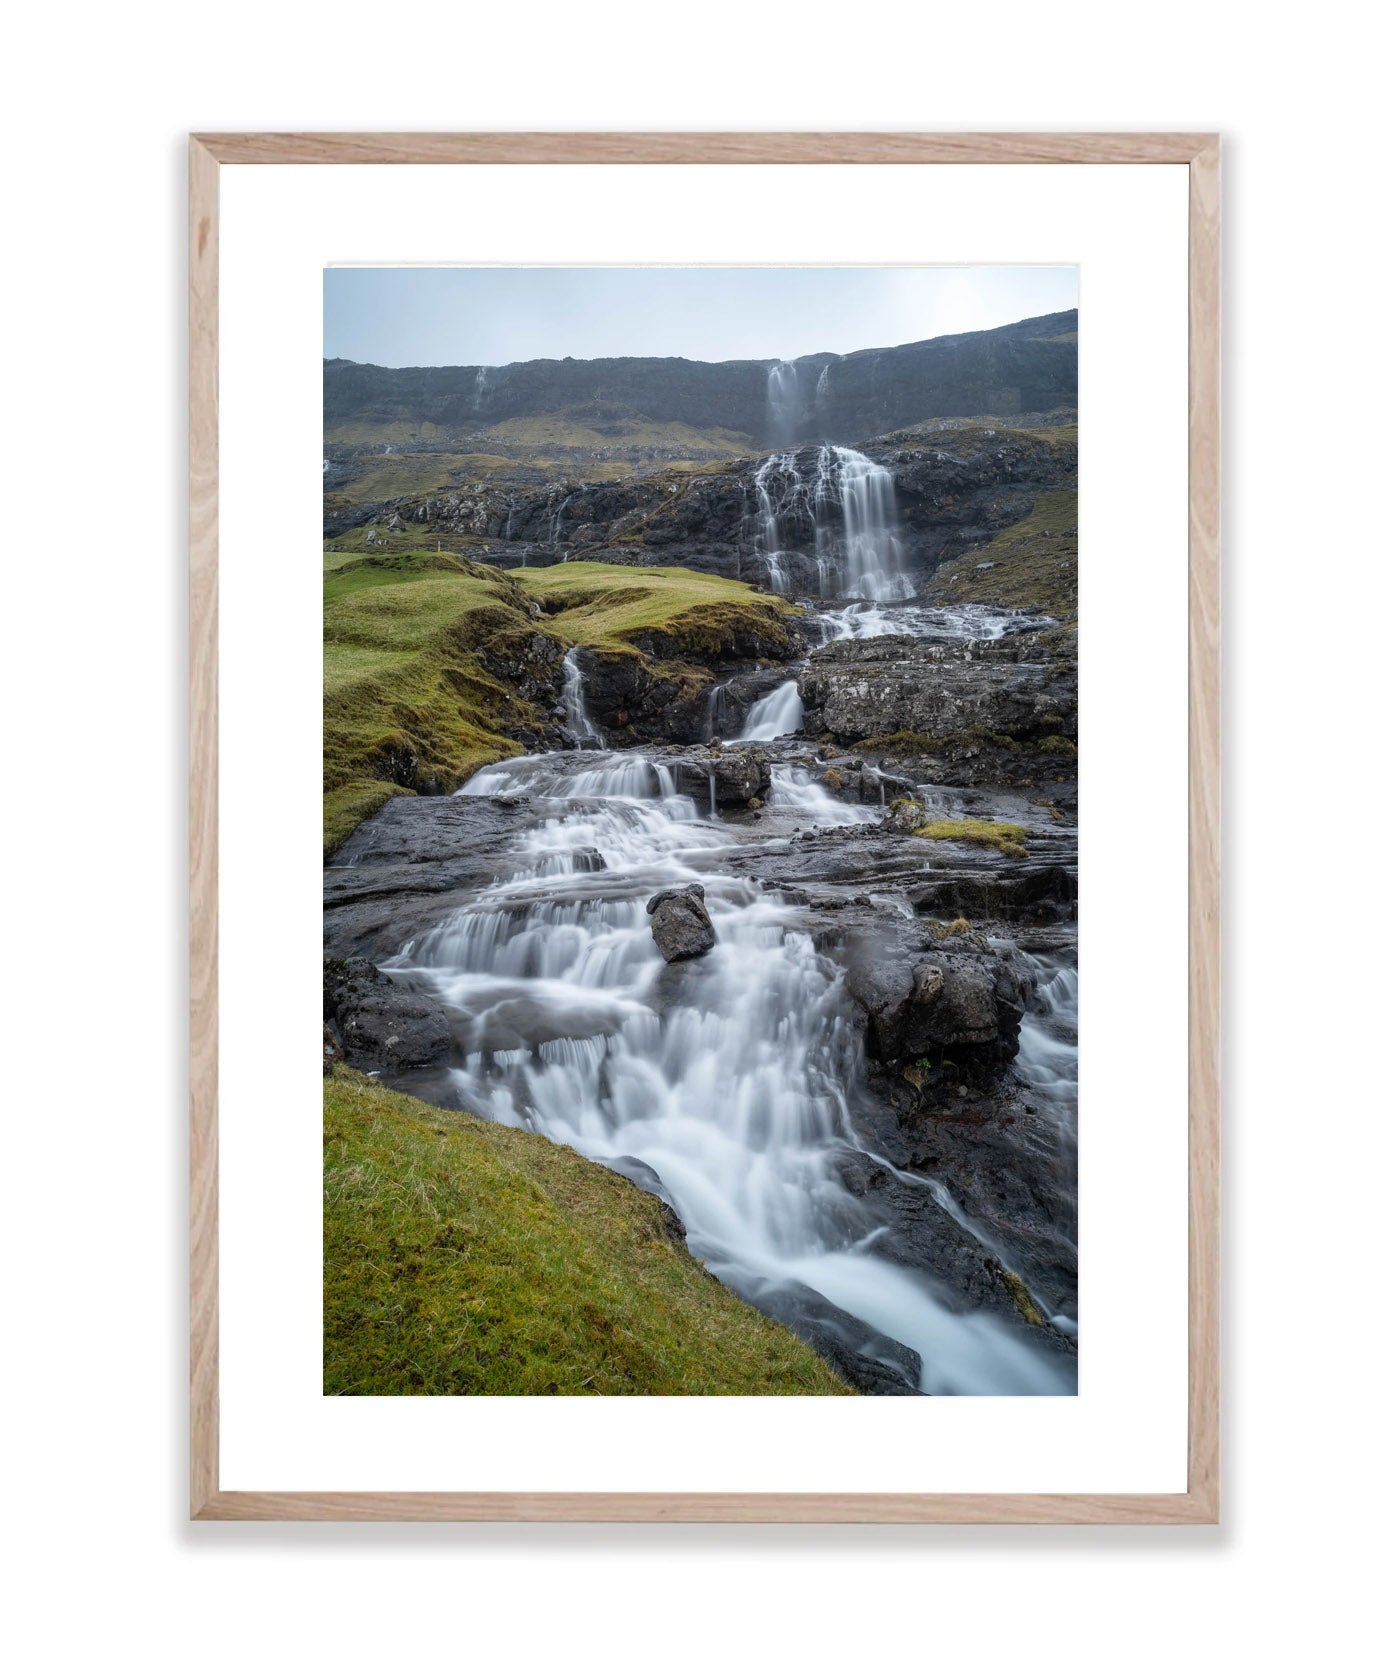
column 832, row 510
column 784, row 402
column 874, row 569
column 576, row 716
column 733, row 1083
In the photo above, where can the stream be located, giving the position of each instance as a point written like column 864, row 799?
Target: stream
column 735, row 1086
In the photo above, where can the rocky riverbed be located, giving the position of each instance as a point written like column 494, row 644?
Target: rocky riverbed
column 806, row 970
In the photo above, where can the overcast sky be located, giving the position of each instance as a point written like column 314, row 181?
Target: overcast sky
column 442, row 317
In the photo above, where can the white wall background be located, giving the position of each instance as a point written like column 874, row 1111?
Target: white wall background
column 99, row 99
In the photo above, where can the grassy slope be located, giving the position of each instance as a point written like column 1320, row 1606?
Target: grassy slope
column 605, row 607
column 405, row 680
column 1034, row 564
column 465, row 1258
column 403, row 677
column 384, row 477
column 608, row 446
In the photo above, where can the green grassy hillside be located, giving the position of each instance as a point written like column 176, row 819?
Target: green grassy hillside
column 605, row 607
column 1032, row 564
column 462, row 1257
column 410, row 699
column 429, row 657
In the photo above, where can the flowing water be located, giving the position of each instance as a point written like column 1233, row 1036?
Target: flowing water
column 731, row 1078
column 830, row 512
column 579, row 723
column 738, row 1079
column 778, row 713
column 784, row 402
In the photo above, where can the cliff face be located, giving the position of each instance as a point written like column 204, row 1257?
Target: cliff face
column 1028, row 367
column 955, row 488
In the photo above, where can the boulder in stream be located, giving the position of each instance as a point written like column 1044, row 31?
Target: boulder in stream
column 680, row 923
column 935, row 1002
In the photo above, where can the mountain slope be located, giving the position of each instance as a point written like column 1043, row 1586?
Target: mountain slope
column 1026, row 367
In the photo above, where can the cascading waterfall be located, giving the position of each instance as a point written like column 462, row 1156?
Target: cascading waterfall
column 874, row 563
column 735, row 1090
column 778, row 713
column 834, row 509
column 576, row 716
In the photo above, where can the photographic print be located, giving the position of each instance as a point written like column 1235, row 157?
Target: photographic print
column 700, row 801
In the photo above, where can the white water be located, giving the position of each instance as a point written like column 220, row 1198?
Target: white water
column 581, row 726
column 874, row 564
column 863, row 619
column 834, row 509
column 784, row 401
column 795, row 786
column 731, row 1076
column 778, row 713
column 1049, row 1052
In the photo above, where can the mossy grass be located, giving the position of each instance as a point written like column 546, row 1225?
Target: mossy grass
column 408, row 703
column 1007, row 838
column 463, row 1257
column 384, row 478
column 411, row 703
column 912, row 744
column 1015, row 1287
column 608, row 607
column 1032, row 564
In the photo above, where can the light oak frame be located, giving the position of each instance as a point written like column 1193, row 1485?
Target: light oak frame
column 1200, row 153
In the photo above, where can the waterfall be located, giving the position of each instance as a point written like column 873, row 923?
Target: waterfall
column 733, row 1082
column 556, row 517
column 784, row 401
column 834, row 508
column 794, row 786
column 575, row 705
column 874, row 563
column 778, row 713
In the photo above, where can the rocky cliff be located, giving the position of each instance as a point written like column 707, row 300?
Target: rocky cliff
column 1029, row 366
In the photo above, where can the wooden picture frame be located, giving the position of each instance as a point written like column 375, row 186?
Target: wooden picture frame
column 1200, row 152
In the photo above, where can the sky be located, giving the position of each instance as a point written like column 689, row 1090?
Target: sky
column 469, row 317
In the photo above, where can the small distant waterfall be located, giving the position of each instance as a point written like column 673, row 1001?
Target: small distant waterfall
column 778, row 713
column 556, row 515
column 581, row 726
column 832, row 509
column 479, row 394
column 784, row 401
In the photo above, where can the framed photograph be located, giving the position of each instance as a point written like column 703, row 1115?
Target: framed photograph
column 766, row 647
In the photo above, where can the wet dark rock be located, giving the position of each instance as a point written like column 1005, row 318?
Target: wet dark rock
column 935, row 1002
column 903, row 816
column 892, row 687
column 412, row 862
column 737, row 775
column 869, row 1362
column 680, row 923
column 380, row 1022
column 964, row 1271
